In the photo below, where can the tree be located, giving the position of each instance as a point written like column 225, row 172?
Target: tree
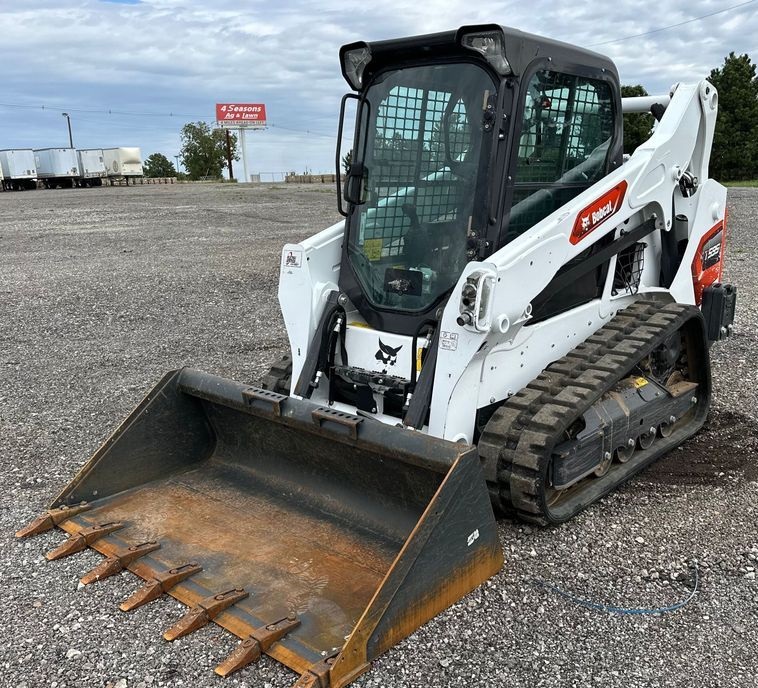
column 203, row 150
column 637, row 126
column 452, row 143
column 158, row 165
column 347, row 160
column 735, row 143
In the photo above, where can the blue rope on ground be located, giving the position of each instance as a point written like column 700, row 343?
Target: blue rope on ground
column 598, row 606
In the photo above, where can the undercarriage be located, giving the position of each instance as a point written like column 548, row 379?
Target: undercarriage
column 635, row 389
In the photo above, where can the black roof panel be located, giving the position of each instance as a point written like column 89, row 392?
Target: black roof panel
column 521, row 49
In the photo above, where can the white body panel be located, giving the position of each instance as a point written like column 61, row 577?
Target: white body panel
column 309, row 271
column 484, row 364
column 56, row 162
column 91, row 163
column 18, row 163
column 123, row 162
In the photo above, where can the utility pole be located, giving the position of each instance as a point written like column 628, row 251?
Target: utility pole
column 70, row 137
column 229, row 154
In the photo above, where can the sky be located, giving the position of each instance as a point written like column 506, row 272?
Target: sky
column 132, row 72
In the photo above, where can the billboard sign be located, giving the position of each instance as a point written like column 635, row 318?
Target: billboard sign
column 235, row 115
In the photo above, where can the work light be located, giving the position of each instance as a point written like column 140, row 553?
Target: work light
column 491, row 46
column 353, row 63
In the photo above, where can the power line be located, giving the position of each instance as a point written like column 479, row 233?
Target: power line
column 672, row 26
column 122, row 113
column 306, row 131
column 103, row 112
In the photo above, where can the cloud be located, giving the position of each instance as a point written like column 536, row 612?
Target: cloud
column 182, row 56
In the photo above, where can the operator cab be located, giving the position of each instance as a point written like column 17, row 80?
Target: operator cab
column 463, row 141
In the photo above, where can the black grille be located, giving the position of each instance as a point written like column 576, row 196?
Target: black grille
column 629, row 265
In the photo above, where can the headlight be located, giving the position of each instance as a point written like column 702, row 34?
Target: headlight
column 475, row 306
column 489, row 44
column 353, row 63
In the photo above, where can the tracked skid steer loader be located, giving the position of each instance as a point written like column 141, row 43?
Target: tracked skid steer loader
column 513, row 318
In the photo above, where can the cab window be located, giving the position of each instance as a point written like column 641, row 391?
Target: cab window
column 566, row 129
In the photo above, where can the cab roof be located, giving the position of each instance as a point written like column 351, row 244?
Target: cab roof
column 521, row 49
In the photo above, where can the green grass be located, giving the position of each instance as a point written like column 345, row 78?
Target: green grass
column 747, row 182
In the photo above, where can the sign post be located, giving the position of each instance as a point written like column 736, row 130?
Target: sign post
column 243, row 144
column 241, row 116
column 229, row 154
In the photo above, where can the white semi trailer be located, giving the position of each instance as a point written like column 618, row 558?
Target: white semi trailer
column 91, row 167
column 57, row 167
column 123, row 162
column 19, row 169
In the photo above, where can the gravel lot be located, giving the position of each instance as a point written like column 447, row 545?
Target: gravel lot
column 101, row 291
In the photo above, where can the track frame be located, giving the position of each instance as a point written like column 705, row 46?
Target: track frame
column 523, row 433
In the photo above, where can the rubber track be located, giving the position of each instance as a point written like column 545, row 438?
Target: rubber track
column 523, row 432
column 279, row 376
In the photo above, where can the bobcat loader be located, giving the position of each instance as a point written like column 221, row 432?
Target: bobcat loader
column 512, row 318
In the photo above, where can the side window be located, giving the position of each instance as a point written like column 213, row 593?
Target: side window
column 566, row 129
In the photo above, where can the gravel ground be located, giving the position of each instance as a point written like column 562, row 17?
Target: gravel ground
column 101, row 291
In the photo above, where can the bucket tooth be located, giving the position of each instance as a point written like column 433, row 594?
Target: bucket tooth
column 81, row 540
column 258, row 642
column 51, row 518
column 318, row 674
column 118, row 562
column 160, row 583
column 204, row 612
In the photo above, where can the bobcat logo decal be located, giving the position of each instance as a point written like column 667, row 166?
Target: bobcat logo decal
column 386, row 354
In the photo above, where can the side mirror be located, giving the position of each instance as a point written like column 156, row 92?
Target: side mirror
column 338, row 151
column 356, row 184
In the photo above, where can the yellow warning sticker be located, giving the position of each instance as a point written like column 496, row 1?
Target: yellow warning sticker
column 372, row 248
column 419, row 353
column 640, row 382
column 360, row 324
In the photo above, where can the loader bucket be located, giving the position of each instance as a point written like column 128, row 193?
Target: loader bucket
column 319, row 538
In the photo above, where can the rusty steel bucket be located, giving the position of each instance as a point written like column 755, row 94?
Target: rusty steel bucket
column 319, row 538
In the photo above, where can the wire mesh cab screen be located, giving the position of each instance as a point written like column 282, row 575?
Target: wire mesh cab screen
column 566, row 129
column 421, row 140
